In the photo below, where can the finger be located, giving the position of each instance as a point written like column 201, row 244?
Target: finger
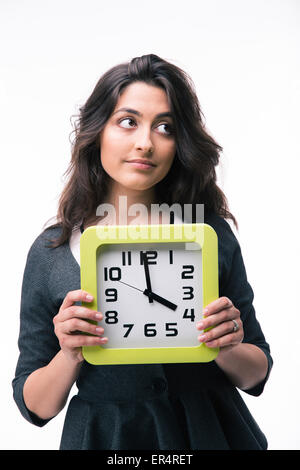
column 78, row 325
column 222, row 335
column 220, row 304
column 78, row 312
column 76, row 341
column 217, row 318
column 227, row 340
column 218, row 331
column 76, row 296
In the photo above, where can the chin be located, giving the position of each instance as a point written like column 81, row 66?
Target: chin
column 139, row 185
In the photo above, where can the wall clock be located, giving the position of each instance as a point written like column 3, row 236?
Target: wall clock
column 151, row 283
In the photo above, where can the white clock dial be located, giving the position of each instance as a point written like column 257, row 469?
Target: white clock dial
column 132, row 319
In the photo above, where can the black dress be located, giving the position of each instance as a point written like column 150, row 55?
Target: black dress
column 158, row 407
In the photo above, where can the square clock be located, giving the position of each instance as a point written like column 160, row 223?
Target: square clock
column 151, row 283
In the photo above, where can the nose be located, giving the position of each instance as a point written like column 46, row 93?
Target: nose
column 143, row 142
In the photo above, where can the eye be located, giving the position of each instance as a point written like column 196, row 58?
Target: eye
column 165, row 129
column 126, row 123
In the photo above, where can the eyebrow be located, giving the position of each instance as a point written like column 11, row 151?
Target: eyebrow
column 133, row 111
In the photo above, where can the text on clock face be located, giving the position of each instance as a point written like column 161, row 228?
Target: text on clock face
column 114, row 273
column 149, row 296
column 151, row 255
column 149, row 329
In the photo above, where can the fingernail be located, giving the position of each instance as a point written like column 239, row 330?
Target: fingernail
column 98, row 315
column 202, row 338
column 100, row 330
column 89, row 297
column 205, row 311
column 200, row 325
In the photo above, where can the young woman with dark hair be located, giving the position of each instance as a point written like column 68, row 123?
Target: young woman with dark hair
column 140, row 135
column 192, row 177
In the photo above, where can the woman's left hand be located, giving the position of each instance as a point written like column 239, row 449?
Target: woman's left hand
column 220, row 314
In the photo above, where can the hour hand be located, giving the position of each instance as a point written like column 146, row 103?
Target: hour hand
column 147, row 275
column 160, row 299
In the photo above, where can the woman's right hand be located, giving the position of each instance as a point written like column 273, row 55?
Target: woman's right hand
column 71, row 320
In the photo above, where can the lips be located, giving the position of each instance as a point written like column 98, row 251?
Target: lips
column 141, row 161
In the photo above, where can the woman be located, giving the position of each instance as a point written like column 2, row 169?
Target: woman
column 145, row 110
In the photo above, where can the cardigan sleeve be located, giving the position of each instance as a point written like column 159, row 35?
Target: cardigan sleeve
column 37, row 342
column 233, row 283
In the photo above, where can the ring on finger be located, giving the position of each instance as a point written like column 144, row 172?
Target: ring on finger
column 235, row 326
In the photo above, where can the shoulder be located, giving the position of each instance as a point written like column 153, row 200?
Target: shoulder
column 41, row 250
column 226, row 238
column 229, row 250
column 45, row 238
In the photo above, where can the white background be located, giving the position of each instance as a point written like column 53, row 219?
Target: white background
column 243, row 56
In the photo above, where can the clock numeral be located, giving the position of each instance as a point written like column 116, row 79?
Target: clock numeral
column 151, row 256
column 171, row 256
column 189, row 293
column 129, row 326
column 126, row 258
column 188, row 269
column 111, row 316
column 113, row 293
column 112, row 274
column 149, row 330
column 190, row 315
column 171, row 331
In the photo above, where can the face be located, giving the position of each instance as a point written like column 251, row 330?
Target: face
column 137, row 142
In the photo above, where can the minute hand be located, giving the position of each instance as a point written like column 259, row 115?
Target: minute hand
column 160, row 299
column 148, row 282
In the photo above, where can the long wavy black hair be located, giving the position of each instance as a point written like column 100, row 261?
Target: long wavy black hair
column 192, row 176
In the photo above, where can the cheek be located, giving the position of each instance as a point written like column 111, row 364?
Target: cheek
column 169, row 156
column 112, row 149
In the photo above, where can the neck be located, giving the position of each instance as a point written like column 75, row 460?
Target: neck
column 130, row 203
column 133, row 196
column 122, row 206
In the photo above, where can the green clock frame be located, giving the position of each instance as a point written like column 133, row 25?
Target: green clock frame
column 202, row 234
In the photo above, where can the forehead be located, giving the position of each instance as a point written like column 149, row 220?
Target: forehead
column 142, row 96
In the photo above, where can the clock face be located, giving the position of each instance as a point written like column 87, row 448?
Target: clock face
column 150, row 294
